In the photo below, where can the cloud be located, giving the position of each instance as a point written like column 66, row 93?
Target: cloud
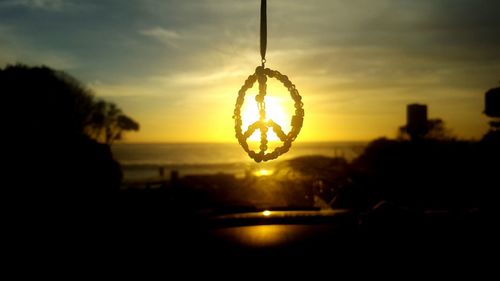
column 165, row 36
column 49, row 5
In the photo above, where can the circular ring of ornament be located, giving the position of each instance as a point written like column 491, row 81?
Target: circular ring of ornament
column 261, row 74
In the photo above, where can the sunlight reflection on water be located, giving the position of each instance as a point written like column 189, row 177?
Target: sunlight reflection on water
column 143, row 161
column 263, row 172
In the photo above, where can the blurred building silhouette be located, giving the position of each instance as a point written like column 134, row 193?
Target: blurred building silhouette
column 416, row 120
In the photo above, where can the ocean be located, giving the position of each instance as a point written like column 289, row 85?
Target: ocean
column 142, row 161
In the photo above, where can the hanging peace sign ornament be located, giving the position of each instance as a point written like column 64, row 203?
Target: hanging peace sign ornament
column 261, row 74
column 262, row 124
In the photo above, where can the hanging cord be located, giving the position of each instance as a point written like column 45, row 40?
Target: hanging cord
column 263, row 30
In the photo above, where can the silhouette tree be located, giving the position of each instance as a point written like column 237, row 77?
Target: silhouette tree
column 492, row 110
column 51, row 120
column 108, row 122
column 54, row 103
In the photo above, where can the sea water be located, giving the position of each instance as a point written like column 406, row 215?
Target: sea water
column 142, row 161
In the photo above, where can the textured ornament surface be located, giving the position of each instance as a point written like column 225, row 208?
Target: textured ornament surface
column 262, row 124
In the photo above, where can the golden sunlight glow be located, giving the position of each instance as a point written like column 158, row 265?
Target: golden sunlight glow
column 266, row 213
column 263, row 172
column 274, row 111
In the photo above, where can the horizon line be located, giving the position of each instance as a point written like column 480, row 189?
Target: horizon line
column 230, row 142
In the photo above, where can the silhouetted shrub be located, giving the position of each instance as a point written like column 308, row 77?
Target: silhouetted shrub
column 49, row 122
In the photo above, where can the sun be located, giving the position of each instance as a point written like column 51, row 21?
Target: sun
column 274, row 111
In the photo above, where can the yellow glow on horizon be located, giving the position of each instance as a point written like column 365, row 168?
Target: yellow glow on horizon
column 208, row 118
column 266, row 213
column 198, row 106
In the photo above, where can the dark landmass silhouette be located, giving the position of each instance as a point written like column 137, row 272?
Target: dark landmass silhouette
column 53, row 125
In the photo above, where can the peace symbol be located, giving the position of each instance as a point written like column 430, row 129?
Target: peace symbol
column 262, row 125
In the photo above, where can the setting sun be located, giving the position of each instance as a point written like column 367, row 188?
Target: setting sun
column 279, row 108
column 275, row 110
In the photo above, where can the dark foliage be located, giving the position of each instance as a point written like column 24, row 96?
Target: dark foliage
column 47, row 116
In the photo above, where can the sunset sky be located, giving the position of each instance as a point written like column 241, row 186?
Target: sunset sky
column 176, row 66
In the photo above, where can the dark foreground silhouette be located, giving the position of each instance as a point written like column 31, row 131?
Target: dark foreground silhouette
column 50, row 157
column 61, row 178
column 424, row 177
column 400, row 198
